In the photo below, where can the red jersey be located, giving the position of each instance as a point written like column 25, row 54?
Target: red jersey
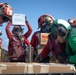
column 35, row 40
column 16, row 46
column 54, row 47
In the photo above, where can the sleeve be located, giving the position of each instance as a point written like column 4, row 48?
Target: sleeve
column 72, row 43
column 27, row 42
column 46, row 50
column 9, row 35
column 34, row 41
column 27, row 34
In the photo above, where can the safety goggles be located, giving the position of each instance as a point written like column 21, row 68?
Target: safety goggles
column 5, row 18
column 18, row 29
column 47, row 23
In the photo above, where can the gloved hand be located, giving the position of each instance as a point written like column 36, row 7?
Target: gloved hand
column 38, row 58
column 26, row 19
column 62, row 57
column 10, row 20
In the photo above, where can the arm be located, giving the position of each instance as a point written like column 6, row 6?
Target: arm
column 27, row 42
column 46, row 50
column 72, row 57
column 9, row 35
column 44, row 53
column 27, row 34
column 34, row 41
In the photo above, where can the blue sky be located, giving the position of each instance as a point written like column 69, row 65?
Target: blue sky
column 33, row 9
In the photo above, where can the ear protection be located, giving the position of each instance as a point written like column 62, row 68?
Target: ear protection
column 61, row 30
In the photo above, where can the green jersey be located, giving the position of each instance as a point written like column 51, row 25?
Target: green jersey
column 71, row 46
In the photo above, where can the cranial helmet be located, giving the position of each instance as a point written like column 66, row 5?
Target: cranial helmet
column 44, row 20
column 6, row 11
column 60, row 26
column 71, row 21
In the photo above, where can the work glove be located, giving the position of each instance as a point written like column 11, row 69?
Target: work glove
column 62, row 57
column 26, row 21
column 10, row 20
column 38, row 58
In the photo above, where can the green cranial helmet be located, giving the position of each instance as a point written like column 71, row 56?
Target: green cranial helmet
column 60, row 26
column 63, row 23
